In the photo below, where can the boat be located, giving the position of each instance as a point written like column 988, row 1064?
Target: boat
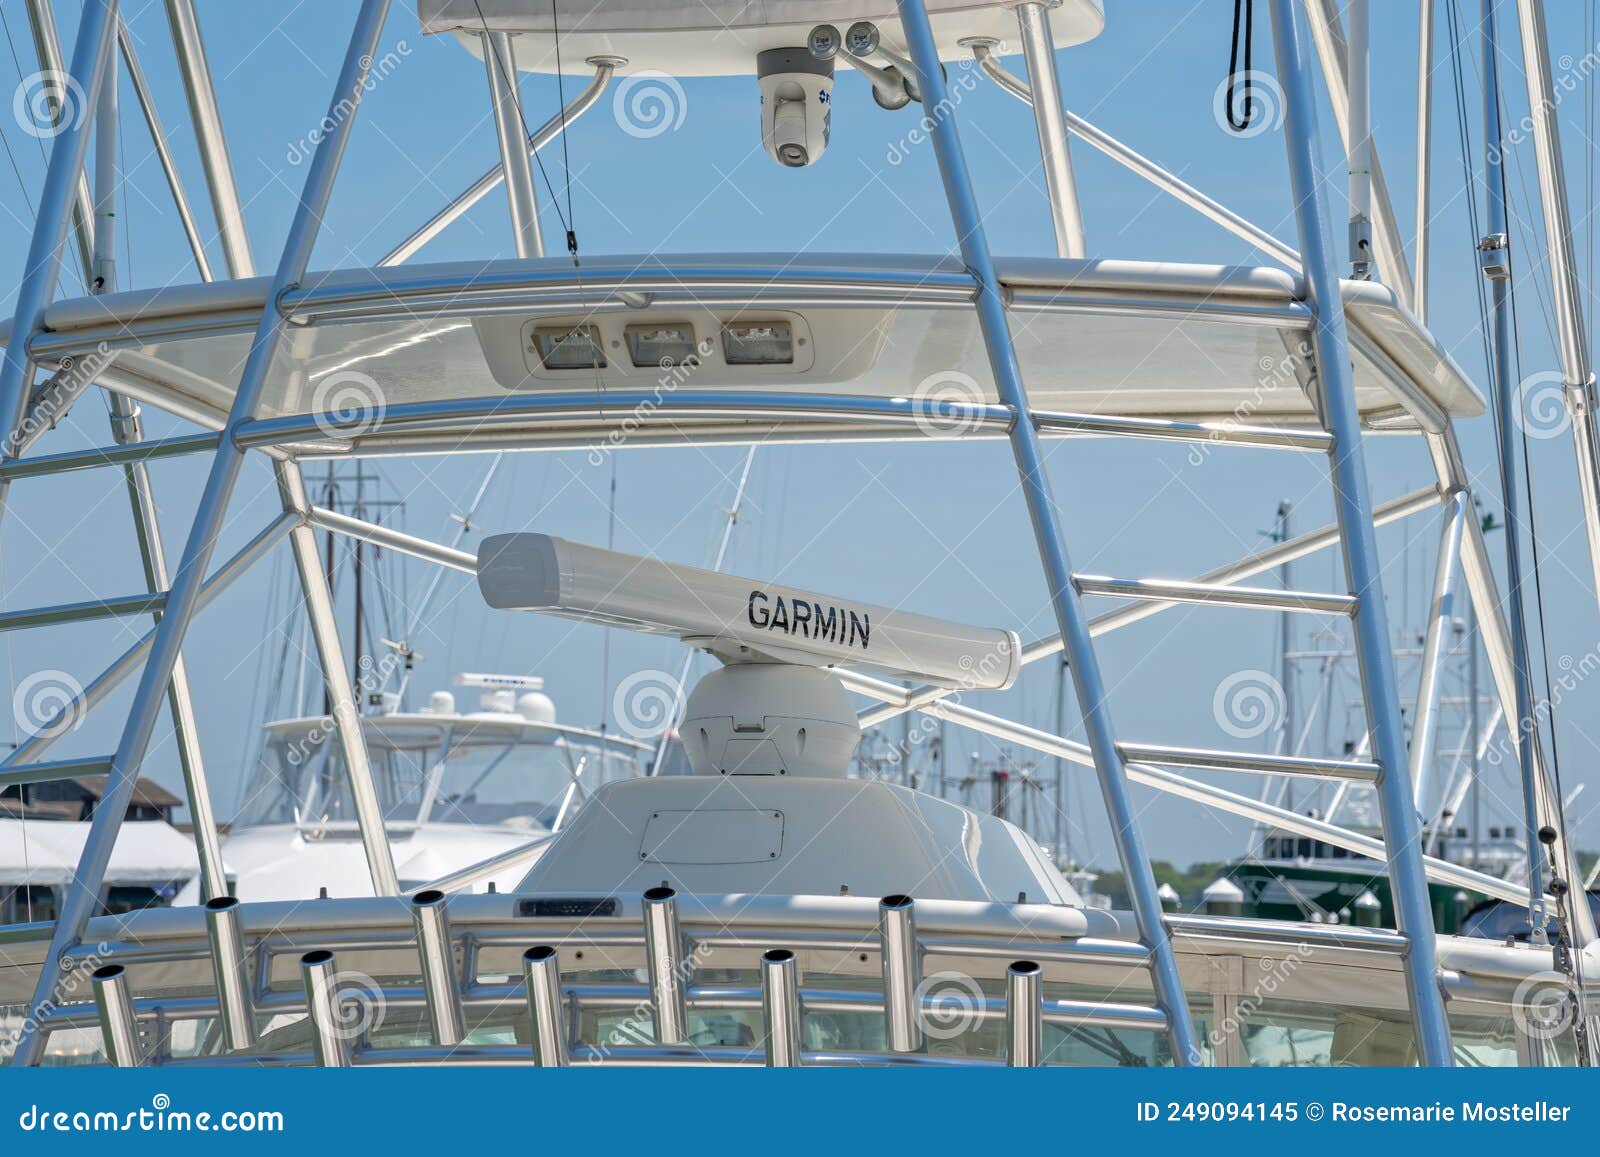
column 457, row 788
column 770, row 908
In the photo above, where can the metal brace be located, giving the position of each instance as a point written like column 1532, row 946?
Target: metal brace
column 1494, row 256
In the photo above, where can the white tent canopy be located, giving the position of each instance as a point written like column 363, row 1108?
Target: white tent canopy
column 47, row 852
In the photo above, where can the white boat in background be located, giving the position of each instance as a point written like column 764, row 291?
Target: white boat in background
column 456, row 789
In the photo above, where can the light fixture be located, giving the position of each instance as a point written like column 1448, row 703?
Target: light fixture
column 570, row 347
column 661, row 346
column 758, row 343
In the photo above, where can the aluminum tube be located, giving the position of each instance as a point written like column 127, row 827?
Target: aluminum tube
column 1363, row 567
column 47, row 49
column 604, row 68
column 231, row 968
column 210, row 137
column 500, row 59
column 1053, row 557
column 1441, row 620
column 897, row 699
column 183, row 601
column 1220, row 798
column 1507, row 398
column 1039, row 50
column 128, row 662
column 902, row 973
column 1250, row 762
column 346, row 711
column 96, row 30
column 493, row 866
column 541, row 973
column 1024, row 1015
column 119, row 1030
column 329, row 1041
column 71, row 460
column 669, row 971
column 439, row 982
column 982, row 51
column 158, row 138
column 1333, row 55
column 780, row 1005
column 55, row 772
column 1259, row 598
column 1358, row 146
column 1576, row 371
column 1423, row 244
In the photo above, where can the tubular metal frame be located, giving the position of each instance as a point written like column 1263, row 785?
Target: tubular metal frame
column 65, row 201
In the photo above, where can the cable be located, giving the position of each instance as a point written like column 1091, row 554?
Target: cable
column 1246, row 110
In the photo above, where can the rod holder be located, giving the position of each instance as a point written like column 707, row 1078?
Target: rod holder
column 902, row 1005
column 663, row 946
column 1024, row 1014
column 780, row 1002
column 118, row 1029
column 231, row 969
column 321, row 981
column 541, row 972
column 439, row 985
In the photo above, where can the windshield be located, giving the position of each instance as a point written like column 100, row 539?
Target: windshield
column 303, row 780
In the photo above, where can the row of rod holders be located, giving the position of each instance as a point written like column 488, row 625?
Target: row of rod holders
column 669, row 973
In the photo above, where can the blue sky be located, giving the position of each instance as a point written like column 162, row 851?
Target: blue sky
column 937, row 528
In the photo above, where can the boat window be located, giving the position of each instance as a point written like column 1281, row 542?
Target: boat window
column 480, row 779
column 1303, row 849
column 28, row 904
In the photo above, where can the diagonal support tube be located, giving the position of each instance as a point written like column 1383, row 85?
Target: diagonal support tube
column 1363, row 569
column 604, row 68
column 183, row 602
column 1035, row 485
